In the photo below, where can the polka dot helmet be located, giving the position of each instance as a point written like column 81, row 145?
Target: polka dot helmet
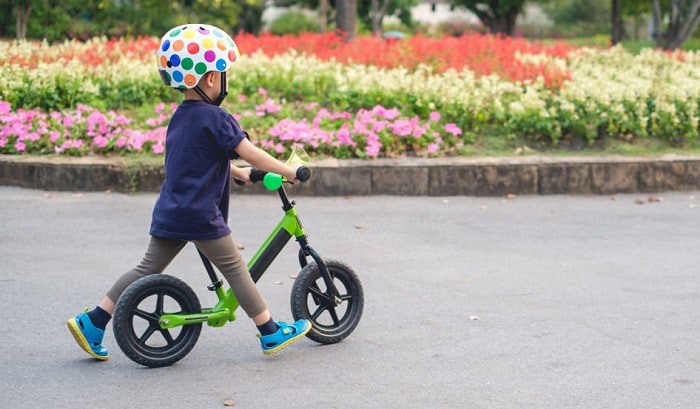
column 189, row 51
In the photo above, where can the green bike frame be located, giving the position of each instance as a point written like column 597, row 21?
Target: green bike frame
column 224, row 310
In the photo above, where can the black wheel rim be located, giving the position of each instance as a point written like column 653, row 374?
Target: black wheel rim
column 143, row 322
column 328, row 314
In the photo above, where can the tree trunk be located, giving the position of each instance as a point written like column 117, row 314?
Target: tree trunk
column 346, row 18
column 22, row 11
column 616, row 22
column 323, row 11
column 378, row 14
column 499, row 21
column 683, row 20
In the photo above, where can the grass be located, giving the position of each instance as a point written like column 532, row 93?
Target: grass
column 602, row 41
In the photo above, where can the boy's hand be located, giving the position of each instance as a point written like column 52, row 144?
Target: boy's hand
column 241, row 174
column 293, row 179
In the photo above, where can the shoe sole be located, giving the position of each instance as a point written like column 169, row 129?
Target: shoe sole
column 287, row 342
column 82, row 341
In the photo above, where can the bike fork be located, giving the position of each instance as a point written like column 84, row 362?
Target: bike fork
column 305, row 251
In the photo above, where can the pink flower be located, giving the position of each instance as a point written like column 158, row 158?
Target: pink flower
column 158, row 148
column 5, row 108
column 262, row 91
column 433, row 148
column 435, row 116
column 241, row 98
column 453, row 129
column 20, row 146
column 100, row 141
column 268, row 107
column 344, row 137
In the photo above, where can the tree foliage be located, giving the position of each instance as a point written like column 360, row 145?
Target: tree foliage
column 64, row 19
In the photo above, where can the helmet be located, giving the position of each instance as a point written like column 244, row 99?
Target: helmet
column 189, row 51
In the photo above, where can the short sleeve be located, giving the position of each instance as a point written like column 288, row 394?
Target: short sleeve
column 230, row 135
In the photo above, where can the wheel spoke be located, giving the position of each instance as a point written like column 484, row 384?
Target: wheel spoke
column 316, row 293
column 148, row 316
column 159, row 304
column 168, row 338
column 147, row 334
column 318, row 312
column 334, row 316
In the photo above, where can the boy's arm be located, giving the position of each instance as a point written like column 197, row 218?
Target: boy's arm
column 263, row 160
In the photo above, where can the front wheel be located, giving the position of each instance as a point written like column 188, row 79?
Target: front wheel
column 333, row 318
column 136, row 320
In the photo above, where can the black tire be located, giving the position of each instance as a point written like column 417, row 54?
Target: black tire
column 136, row 320
column 310, row 300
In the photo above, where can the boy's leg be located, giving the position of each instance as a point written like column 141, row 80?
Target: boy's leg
column 159, row 254
column 224, row 254
column 274, row 336
column 88, row 328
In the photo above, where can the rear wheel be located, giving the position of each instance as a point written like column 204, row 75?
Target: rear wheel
column 333, row 318
column 137, row 315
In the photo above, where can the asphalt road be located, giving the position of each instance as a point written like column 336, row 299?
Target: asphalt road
column 530, row 302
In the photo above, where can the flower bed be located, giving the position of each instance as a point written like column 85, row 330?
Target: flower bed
column 334, row 97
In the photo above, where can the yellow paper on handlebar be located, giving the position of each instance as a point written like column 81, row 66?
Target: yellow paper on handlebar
column 298, row 157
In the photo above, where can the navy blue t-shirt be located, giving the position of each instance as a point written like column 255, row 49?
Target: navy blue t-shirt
column 194, row 198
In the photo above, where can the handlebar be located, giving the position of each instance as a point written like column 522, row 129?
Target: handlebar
column 273, row 181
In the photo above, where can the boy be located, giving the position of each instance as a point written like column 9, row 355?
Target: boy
column 201, row 140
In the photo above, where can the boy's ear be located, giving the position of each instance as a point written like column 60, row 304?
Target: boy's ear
column 209, row 78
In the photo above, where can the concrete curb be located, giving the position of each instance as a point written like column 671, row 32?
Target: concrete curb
column 528, row 175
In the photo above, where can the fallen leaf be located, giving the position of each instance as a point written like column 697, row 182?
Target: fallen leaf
column 293, row 276
column 445, row 201
column 229, row 402
column 473, row 317
column 654, row 199
column 279, row 282
column 49, row 195
column 639, row 201
column 360, row 226
column 511, row 196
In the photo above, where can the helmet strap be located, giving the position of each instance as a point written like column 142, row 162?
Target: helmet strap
column 201, row 93
column 222, row 93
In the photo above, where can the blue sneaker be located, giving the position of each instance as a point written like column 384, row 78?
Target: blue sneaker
column 285, row 335
column 88, row 336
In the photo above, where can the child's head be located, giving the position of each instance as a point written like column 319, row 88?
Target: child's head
column 195, row 53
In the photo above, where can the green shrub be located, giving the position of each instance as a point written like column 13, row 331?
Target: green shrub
column 293, row 22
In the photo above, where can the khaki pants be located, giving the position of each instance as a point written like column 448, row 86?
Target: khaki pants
column 221, row 252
